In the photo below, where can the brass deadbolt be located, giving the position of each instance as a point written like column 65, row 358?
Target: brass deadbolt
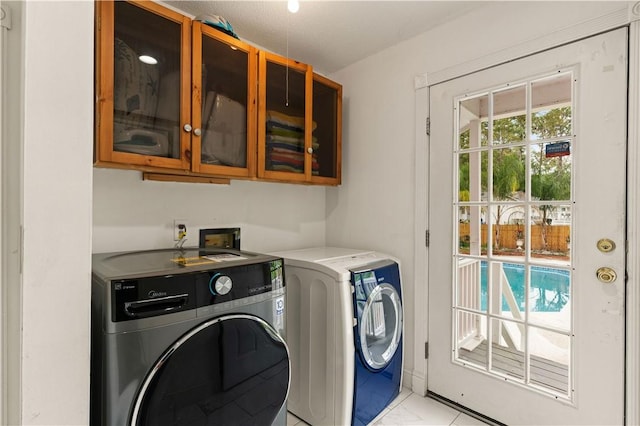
column 606, row 275
column 605, row 245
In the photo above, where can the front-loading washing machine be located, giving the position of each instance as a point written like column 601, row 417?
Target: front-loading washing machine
column 345, row 334
column 191, row 336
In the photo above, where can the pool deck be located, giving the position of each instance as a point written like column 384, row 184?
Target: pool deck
column 510, row 362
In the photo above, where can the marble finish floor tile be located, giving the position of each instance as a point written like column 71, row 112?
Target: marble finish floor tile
column 412, row 409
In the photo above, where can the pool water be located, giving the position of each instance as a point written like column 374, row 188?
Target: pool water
column 550, row 287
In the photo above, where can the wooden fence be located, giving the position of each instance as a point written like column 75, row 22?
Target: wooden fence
column 557, row 236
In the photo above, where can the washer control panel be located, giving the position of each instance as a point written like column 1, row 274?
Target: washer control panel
column 239, row 282
column 137, row 298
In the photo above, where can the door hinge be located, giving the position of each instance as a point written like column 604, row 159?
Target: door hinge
column 426, row 238
column 426, row 350
column 428, row 126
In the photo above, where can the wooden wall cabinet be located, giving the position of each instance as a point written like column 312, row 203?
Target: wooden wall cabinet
column 177, row 97
column 300, row 123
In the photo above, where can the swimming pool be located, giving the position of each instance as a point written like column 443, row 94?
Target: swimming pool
column 550, row 287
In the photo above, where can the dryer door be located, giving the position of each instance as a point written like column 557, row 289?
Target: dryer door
column 379, row 319
column 229, row 370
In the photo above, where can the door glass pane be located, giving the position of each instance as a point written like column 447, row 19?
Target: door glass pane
column 470, row 291
column 472, row 175
column 472, row 121
column 507, row 356
column 551, row 170
column 550, row 359
column 550, row 297
column 551, row 107
column 472, row 233
column 325, row 136
column 146, row 92
column 509, row 167
column 471, row 339
column 509, row 110
column 507, row 281
column 550, row 232
column 508, row 236
column 285, row 119
column 224, row 108
column 464, row 193
column 233, row 371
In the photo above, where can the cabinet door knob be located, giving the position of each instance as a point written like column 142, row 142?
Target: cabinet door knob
column 197, row 131
column 187, row 127
column 310, row 150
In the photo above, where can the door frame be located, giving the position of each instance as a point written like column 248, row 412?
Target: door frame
column 11, row 102
column 419, row 379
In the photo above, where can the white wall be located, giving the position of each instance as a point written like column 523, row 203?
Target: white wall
column 374, row 208
column 57, row 174
column 132, row 214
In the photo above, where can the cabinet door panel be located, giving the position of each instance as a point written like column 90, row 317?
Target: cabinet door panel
column 284, row 122
column 224, row 103
column 327, row 135
column 142, row 51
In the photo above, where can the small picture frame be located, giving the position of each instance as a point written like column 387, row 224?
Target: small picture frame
column 220, row 238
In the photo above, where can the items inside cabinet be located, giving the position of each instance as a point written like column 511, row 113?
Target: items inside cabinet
column 146, row 90
column 224, row 104
column 285, row 119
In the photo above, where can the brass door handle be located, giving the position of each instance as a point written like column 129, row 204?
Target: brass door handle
column 606, row 245
column 606, row 275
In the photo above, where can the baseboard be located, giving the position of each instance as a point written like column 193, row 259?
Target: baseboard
column 416, row 382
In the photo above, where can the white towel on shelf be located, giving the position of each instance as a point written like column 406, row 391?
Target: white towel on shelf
column 225, row 134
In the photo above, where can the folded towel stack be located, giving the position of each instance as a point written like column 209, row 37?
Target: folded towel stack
column 285, row 143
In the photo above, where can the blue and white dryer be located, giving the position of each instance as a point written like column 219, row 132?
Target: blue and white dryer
column 344, row 332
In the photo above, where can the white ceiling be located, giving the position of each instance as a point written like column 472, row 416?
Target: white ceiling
column 328, row 34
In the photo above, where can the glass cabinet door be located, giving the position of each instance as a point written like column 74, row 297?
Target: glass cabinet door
column 142, row 90
column 224, row 103
column 284, row 119
column 326, row 140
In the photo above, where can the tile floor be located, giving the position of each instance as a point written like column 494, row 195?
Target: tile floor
column 412, row 409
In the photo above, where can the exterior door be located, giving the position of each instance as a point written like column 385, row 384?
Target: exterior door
column 527, row 236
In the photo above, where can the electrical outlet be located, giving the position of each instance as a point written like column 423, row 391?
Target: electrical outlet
column 180, row 226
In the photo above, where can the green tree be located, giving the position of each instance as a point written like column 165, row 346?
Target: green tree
column 508, row 165
column 551, row 177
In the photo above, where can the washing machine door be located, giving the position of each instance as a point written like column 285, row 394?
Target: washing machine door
column 229, row 370
column 379, row 319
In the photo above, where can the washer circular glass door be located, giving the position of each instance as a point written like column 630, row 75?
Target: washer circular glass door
column 229, row 370
column 380, row 326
